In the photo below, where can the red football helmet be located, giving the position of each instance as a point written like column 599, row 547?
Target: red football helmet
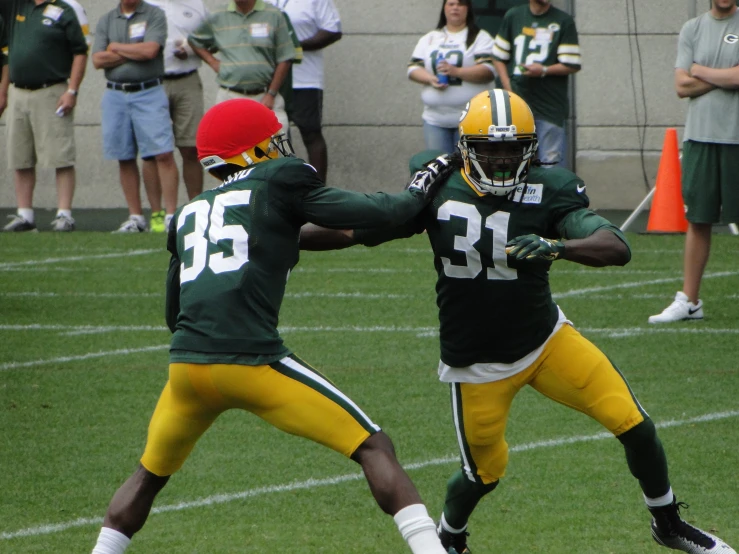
column 242, row 132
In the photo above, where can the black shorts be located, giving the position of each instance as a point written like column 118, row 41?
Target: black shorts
column 307, row 109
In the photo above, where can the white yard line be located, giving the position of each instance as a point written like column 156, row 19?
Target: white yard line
column 37, row 294
column 49, row 528
column 657, row 330
column 90, row 355
column 125, row 254
column 636, row 284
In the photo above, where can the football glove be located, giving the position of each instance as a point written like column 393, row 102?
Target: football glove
column 534, row 247
column 429, row 179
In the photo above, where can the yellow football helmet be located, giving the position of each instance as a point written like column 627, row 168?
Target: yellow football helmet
column 497, row 140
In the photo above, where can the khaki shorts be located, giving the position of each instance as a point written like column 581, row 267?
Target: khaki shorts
column 35, row 133
column 186, row 107
column 710, row 182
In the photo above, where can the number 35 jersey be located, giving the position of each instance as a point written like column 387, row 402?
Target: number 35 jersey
column 233, row 248
column 494, row 309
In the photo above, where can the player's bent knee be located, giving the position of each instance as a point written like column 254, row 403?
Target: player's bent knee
column 377, row 443
column 639, row 436
column 617, row 414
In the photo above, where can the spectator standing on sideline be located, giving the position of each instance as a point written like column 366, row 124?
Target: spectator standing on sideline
column 535, row 50
column 256, row 48
column 129, row 41
column 317, row 25
column 466, row 69
column 707, row 73
column 47, row 57
column 222, row 304
column 185, row 94
column 4, row 79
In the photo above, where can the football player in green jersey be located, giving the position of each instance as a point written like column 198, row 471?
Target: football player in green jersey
column 233, row 248
column 495, row 227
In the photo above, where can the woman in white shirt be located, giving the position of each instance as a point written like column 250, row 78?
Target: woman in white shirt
column 464, row 53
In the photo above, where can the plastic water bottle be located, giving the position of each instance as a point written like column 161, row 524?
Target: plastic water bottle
column 442, row 77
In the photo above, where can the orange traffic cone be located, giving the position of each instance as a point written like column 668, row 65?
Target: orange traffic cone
column 668, row 212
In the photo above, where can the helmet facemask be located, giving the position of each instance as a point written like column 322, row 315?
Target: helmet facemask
column 499, row 161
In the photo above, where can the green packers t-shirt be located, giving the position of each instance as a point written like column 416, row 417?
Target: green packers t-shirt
column 550, row 38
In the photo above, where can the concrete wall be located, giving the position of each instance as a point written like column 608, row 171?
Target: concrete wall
column 372, row 112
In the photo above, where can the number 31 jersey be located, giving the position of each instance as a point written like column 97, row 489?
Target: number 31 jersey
column 494, row 309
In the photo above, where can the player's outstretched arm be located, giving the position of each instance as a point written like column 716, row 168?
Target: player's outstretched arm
column 343, row 209
column 602, row 248
column 313, row 237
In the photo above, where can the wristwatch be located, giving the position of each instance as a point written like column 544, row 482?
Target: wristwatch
column 272, row 93
column 544, row 70
column 72, row 91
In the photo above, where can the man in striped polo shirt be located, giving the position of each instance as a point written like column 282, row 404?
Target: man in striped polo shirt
column 255, row 52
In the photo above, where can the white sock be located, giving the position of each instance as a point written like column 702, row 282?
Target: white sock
column 111, row 541
column 665, row 500
column 418, row 530
column 138, row 218
column 168, row 220
column 26, row 213
column 65, row 213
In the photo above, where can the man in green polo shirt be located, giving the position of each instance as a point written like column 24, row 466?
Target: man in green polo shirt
column 47, row 57
column 255, row 52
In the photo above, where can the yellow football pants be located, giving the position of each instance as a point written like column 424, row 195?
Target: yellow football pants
column 288, row 394
column 571, row 370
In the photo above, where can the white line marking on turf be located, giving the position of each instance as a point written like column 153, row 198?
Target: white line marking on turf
column 37, row 294
column 420, row 332
column 635, row 284
column 638, row 331
column 81, row 258
column 315, row 483
column 62, row 359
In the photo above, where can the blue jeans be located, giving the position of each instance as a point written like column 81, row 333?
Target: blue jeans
column 440, row 138
column 552, row 143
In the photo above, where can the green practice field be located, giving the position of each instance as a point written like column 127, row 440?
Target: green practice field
column 83, row 357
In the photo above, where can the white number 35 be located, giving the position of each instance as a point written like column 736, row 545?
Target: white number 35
column 217, row 261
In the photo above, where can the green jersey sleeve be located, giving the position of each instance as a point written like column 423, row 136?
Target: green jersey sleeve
column 573, row 219
column 336, row 208
column 417, row 161
column 414, row 226
column 568, row 50
column 172, row 297
column 583, row 223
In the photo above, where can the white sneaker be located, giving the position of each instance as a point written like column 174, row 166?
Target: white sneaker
column 131, row 225
column 62, row 223
column 681, row 309
column 19, row 224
